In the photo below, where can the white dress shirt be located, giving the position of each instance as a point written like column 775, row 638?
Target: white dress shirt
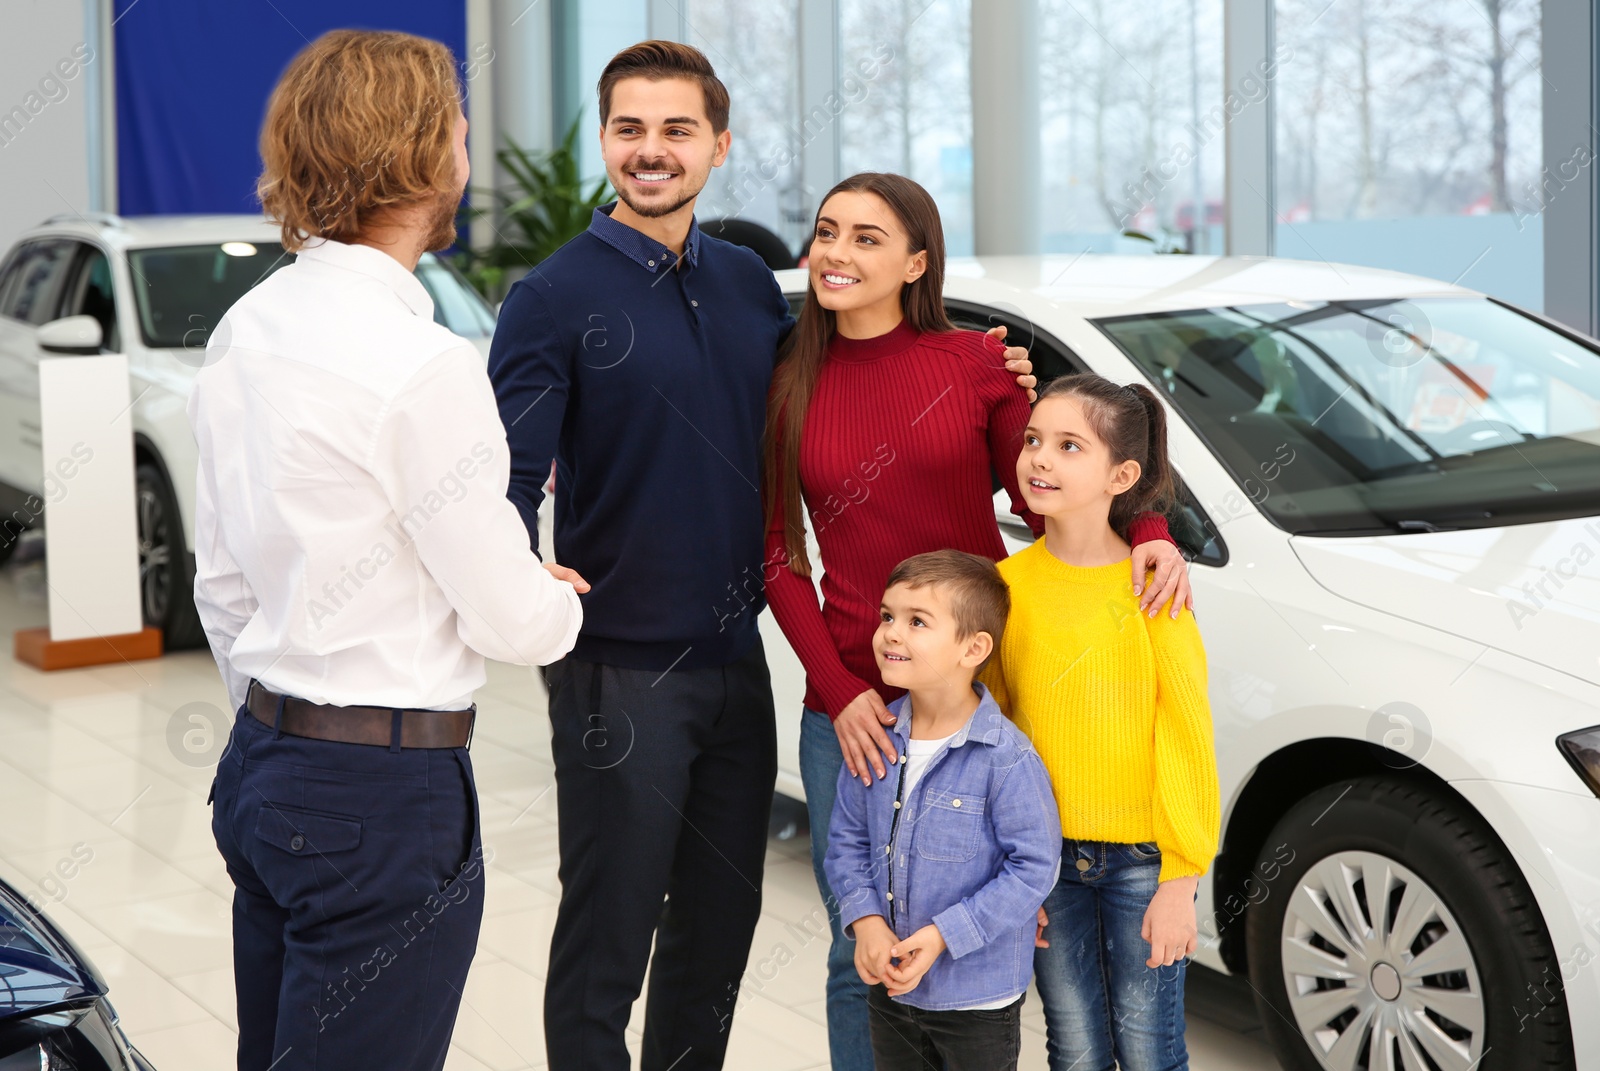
column 353, row 540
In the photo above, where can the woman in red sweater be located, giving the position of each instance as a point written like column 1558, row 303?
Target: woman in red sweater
column 885, row 424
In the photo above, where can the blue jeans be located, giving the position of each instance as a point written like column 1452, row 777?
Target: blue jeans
column 849, row 1039
column 1102, row 1006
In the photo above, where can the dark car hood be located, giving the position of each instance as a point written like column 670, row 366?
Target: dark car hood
column 40, row 968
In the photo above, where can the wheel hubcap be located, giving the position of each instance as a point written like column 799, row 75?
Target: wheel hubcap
column 1378, row 971
column 155, row 556
column 1386, row 981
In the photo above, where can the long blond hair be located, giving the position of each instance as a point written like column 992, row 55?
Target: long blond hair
column 361, row 122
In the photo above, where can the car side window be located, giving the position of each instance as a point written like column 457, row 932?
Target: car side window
column 33, row 284
column 1195, row 533
column 10, row 269
column 1051, row 358
column 91, row 293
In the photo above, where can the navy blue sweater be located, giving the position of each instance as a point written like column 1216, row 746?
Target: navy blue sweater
column 647, row 382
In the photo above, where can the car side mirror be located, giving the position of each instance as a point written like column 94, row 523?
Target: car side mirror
column 77, row 335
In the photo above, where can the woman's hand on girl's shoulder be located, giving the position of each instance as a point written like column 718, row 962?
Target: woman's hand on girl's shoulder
column 1017, row 361
column 1171, row 580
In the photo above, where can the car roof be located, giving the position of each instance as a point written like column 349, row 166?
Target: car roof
column 127, row 232
column 1095, row 285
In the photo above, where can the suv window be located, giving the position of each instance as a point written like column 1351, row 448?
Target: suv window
column 32, row 291
column 91, row 294
column 184, row 291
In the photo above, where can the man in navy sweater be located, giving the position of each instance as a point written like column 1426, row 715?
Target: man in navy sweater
column 638, row 357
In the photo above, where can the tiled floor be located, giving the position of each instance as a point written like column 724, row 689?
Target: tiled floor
column 103, row 778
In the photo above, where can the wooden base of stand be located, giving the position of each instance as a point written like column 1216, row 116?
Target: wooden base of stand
column 35, row 647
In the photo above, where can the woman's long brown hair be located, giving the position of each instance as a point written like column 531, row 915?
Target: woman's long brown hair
column 801, row 356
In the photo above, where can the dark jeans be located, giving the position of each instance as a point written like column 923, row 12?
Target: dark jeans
column 664, row 787
column 849, row 1041
column 1103, row 1007
column 358, row 893
column 910, row 1039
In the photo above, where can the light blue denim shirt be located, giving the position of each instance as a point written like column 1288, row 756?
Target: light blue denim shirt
column 976, row 851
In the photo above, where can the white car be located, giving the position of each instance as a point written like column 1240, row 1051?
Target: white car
column 151, row 288
column 1393, row 513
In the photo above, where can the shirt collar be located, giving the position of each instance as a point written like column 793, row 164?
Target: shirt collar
column 643, row 250
column 984, row 726
column 365, row 260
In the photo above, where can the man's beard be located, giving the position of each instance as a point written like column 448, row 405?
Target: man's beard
column 655, row 211
column 442, row 223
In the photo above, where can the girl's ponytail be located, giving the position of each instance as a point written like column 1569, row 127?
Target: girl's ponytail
column 1157, row 489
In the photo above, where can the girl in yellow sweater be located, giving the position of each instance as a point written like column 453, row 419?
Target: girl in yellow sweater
column 1115, row 703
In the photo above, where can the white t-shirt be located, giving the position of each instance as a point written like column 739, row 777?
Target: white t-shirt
column 919, row 753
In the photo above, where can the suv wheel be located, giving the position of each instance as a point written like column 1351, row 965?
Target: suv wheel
column 166, row 573
column 1401, row 935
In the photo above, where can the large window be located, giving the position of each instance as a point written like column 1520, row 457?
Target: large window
column 751, row 44
column 1408, row 137
column 586, row 36
column 1133, row 116
column 913, row 112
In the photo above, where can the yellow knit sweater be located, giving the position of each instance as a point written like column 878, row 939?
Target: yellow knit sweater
column 1115, row 703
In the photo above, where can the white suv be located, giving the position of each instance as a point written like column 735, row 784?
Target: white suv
column 151, row 288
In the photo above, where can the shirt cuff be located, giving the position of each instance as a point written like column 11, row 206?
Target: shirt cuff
column 857, row 904
column 1148, row 527
column 959, row 930
column 833, row 693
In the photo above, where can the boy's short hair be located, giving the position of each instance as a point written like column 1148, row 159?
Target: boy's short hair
column 657, row 60
column 360, row 122
column 979, row 597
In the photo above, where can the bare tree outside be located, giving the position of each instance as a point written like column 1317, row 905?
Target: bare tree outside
column 752, row 45
column 1131, row 134
column 1408, row 108
column 916, row 116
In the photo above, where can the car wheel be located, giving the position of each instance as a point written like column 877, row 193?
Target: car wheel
column 166, row 573
column 1401, row 935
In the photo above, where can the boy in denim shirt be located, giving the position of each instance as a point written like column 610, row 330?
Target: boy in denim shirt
column 941, row 867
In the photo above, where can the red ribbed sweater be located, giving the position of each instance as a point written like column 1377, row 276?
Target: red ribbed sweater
column 895, row 459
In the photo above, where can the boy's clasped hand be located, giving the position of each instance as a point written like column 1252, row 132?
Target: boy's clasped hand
column 882, row 958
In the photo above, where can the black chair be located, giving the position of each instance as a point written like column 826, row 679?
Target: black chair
column 768, row 246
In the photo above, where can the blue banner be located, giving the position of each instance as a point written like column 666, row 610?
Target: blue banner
column 193, row 77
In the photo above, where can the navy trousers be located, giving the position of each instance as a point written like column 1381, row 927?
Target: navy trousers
column 358, row 894
column 664, row 787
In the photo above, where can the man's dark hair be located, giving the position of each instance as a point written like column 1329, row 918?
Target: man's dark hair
column 658, row 60
column 979, row 597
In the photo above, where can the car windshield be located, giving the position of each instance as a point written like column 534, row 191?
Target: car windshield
column 1385, row 415
column 182, row 291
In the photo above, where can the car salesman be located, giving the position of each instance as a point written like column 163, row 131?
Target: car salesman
column 356, row 561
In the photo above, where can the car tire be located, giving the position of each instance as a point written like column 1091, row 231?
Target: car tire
column 1456, row 906
column 166, row 569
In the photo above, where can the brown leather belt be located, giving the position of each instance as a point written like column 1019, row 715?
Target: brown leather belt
column 377, row 726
